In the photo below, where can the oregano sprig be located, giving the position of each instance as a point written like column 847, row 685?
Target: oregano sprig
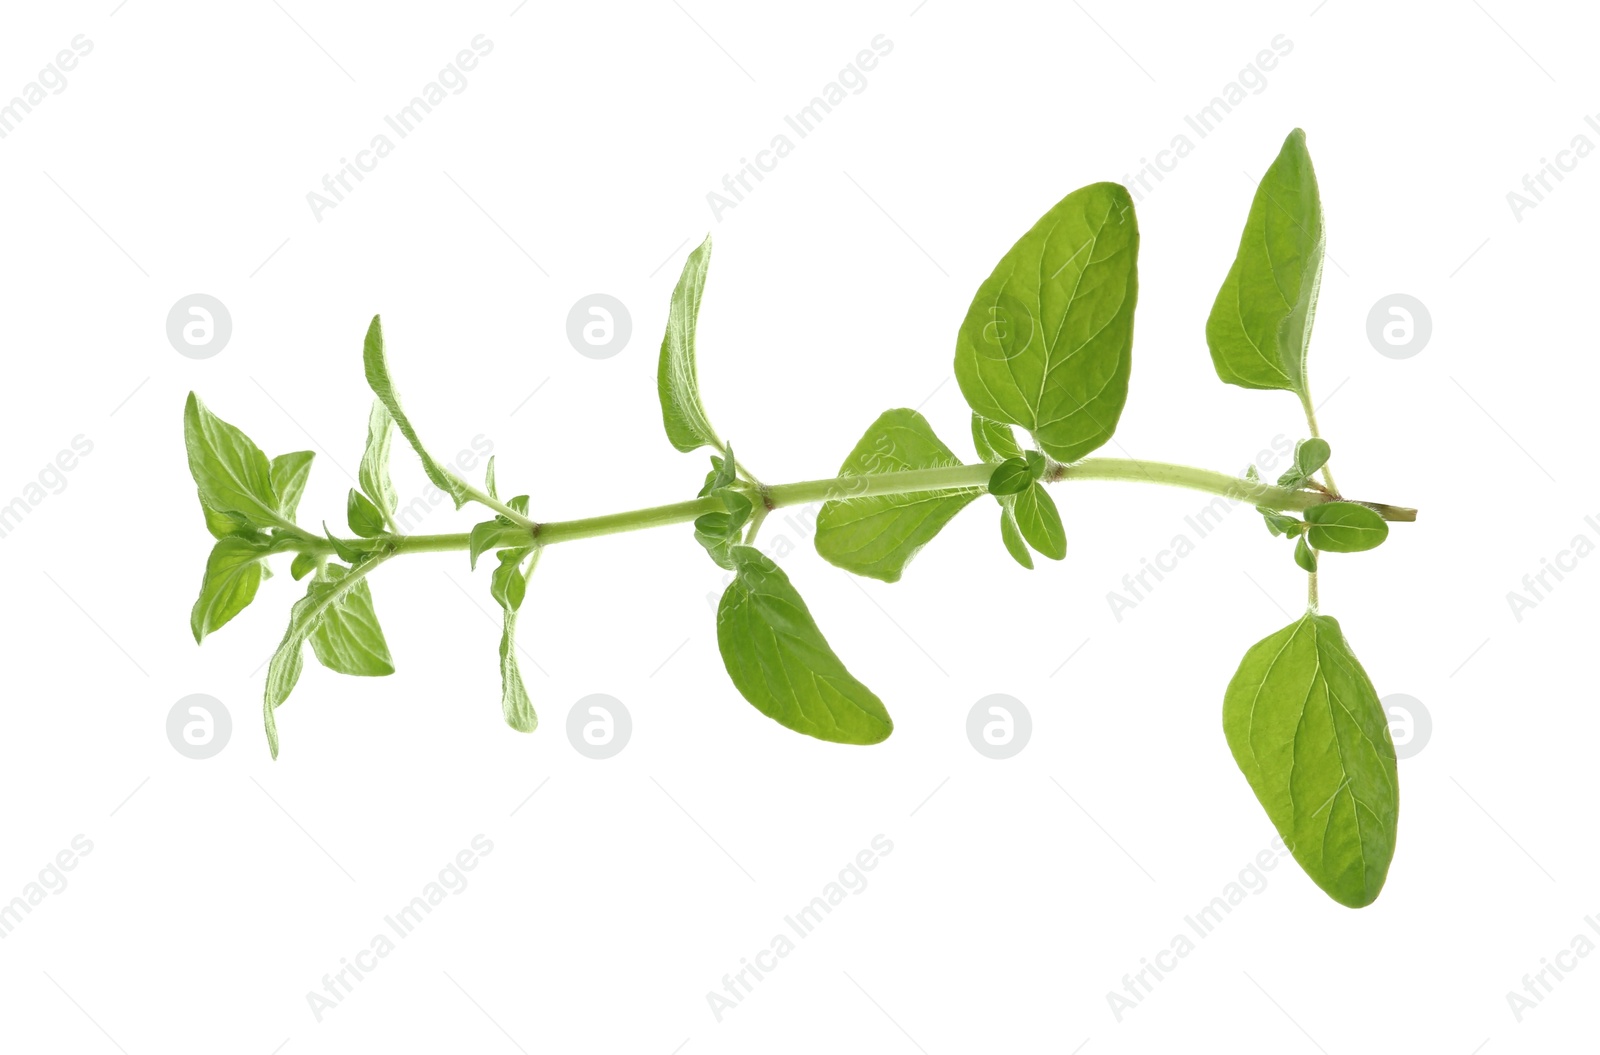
column 1045, row 347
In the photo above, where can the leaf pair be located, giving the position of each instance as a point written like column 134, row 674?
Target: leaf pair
column 773, row 651
column 1028, row 515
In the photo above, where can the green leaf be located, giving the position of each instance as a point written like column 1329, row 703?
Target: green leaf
column 283, row 670
column 1311, row 455
column 1305, row 725
column 343, row 550
column 365, row 518
column 509, row 585
column 877, row 536
column 780, row 662
column 225, row 525
column 1010, row 477
column 289, row 474
column 347, row 637
column 376, row 362
column 1036, row 464
column 677, row 378
column 374, row 472
column 302, row 565
column 488, row 480
column 723, row 473
column 520, row 504
column 233, row 574
column 1039, row 521
column 483, row 537
column 995, row 440
column 1279, row 524
column 1260, row 323
column 1012, row 537
column 232, row 474
column 1304, row 555
column 514, row 701
column 1047, row 343
column 1345, row 527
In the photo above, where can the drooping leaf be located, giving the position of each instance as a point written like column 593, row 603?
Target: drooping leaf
column 994, row 439
column 233, row 574
column 1039, row 521
column 1304, row 555
column 780, row 662
column 1260, row 323
column 1345, row 527
column 1047, row 343
column 483, row 537
column 1012, row 537
column 1010, row 477
column 509, row 585
column 232, row 474
column 347, row 637
column 677, row 376
column 1305, row 725
column 374, row 472
column 365, row 518
column 376, row 361
column 289, row 474
column 877, row 536
column 283, row 671
column 302, row 565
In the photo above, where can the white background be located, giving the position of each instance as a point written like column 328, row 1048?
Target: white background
column 577, row 160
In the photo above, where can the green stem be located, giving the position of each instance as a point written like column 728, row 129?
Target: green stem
column 1311, row 422
column 973, row 478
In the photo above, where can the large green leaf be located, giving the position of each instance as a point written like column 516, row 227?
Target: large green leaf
column 677, row 378
column 878, row 536
column 234, row 477
column 1039, row 521
column 1260, row 323
column 374, row 471
column 1306, row 727
column 780, row 662
column 233, row 573
column 348, row 638
column 1345, row 527
column 1047, row 343
column 283, row 670
column 376, row 362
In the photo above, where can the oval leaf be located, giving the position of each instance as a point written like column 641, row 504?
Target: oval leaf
column 1012, row 537
column 1345, row 527
column 1010, row 477
column 995, row 440
column 780, row 662
column 234, row 477
column 233, row 574
column 347, row 637
column 289, row 474
column 1047, row 343
column 1039, row 521
column 677, row 378
column 1305, row 725
column 878, row 536
column 1260, row 322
